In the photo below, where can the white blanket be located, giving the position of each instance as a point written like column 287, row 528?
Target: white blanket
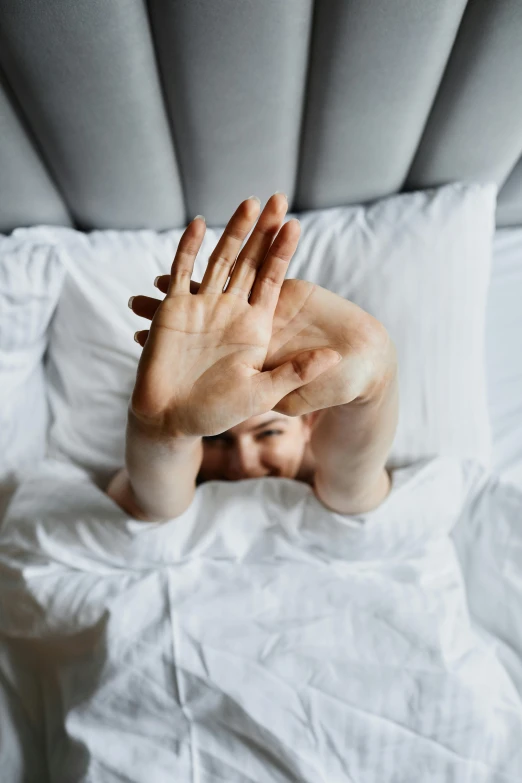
column 262, row 638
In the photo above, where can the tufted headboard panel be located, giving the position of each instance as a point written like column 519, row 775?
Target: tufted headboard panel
column 132, row 114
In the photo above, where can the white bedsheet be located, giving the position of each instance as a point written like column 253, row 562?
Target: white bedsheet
column 262, row 638
column 504, row 354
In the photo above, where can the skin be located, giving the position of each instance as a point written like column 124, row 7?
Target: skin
column 268, row 445
column 245, row 346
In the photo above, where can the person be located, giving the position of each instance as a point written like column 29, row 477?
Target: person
column 249, row 374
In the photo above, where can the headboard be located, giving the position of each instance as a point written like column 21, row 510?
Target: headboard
column 133, row 114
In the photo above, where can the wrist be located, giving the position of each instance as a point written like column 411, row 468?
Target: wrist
column 383, row 381
column 155, row 433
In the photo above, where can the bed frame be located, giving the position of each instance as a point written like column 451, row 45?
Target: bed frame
column 131, row 114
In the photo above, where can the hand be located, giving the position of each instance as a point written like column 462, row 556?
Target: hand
column 307, row 316
column 201, row 370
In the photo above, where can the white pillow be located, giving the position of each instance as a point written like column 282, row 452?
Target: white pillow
column 419, row 262
column 504, row 354
column 31, row 277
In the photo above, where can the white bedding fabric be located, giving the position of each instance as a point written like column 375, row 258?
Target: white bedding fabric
column 504, row 353
column 262, row 638
column 31, row 278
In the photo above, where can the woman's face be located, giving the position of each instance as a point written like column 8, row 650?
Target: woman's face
column 271, row 444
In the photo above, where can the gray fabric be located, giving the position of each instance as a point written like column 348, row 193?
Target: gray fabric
column 366, row 104
column 474, row 131
column 85, row 76
column 509, row 212
column 27, row 193
column 235, row 76
column 133, row 114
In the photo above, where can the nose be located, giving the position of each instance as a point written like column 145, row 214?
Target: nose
column 244, row 462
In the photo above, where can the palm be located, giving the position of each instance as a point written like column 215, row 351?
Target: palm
column 250, row 343
column 202, row 349
column 309, row 316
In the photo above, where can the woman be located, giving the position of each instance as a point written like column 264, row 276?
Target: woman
column 258, row 377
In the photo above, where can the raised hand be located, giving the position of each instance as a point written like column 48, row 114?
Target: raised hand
column 308, row 316
column 201, row 370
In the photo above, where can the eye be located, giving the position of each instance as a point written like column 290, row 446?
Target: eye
column 269, row 433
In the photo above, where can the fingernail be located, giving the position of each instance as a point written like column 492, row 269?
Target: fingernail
column 136, row 337
column 256, row 198
column 129, row 303
column 156, row 281
column 339, row 355
column 281, row 193
column 200, row 216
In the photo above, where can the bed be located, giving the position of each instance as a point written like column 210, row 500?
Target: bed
column 118, row 123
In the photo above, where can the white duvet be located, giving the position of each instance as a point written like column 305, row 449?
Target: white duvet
column 262, row 638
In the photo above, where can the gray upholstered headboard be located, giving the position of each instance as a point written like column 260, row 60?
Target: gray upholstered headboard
column 130, row 114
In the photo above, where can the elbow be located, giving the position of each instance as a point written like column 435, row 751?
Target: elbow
column 120, row 491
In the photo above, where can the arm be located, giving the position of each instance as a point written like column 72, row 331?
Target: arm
column 351, row 443
column 201, row 369
column 160, row 475
column 356, row 400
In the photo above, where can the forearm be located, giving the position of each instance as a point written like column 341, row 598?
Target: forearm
column 351, row 444
column 159, row 480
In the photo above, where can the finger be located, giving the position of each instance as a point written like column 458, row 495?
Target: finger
column 258, row 244
column 162, row 284
column 222, row 259
column 145, row 306
column 275, row 384
column 269, row 279
column 183, row 264
column 141, row 337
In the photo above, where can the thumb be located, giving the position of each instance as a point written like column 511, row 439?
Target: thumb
column 303, row 368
